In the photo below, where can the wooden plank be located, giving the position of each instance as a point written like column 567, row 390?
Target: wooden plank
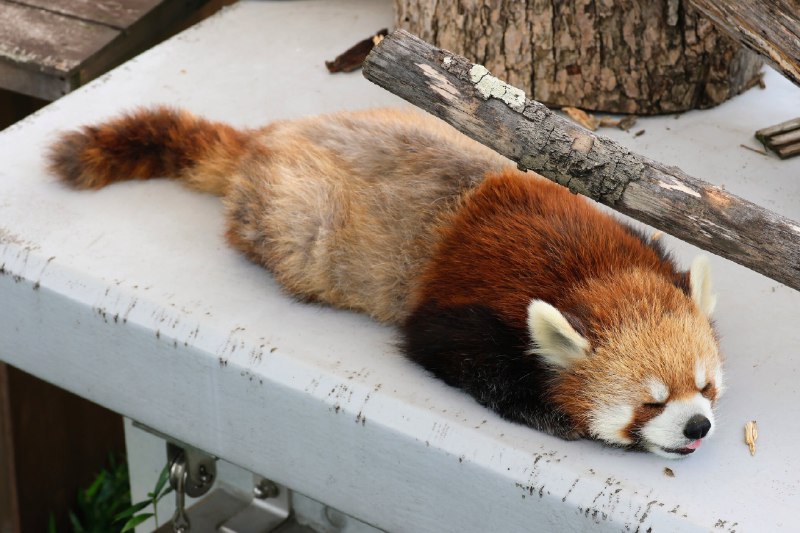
column 9, row 501
column 777, row 129
column 499, row 116
column 783, row 138
column 770, row 27
column 116, row 14
column 61, row 441
column 787, row 138
column 787, row 151
column 45, row 54
column 152, row 28
column 44, row 85
column 14, row 107
column 48, row 42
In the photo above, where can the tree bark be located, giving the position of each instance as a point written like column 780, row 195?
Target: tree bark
column 626, row 56
column 499, row 116
column 770, row 27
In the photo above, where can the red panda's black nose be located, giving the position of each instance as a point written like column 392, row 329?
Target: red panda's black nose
column 697, row 427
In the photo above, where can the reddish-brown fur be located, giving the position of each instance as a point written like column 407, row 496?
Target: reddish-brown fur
column 558, row 240
column 518, row 238
column 145, row 144
column 397, row 215
column 341, row 208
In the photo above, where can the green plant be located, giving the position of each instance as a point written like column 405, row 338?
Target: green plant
column 159, row 491
column 105, row 506
column 97, row 506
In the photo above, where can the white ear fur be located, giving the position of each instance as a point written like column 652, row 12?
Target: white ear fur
column 700, row 284
column 555, row 339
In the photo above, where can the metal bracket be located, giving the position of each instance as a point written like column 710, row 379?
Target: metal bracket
column 227, row 510
column 269, row 508
column 201, row 469
column 201, row 466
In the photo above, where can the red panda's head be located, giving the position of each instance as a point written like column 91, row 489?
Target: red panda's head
column 636, row 358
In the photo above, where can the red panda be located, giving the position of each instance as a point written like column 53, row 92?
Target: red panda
column 543, row 308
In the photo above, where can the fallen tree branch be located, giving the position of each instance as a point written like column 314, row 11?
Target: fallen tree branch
column 499, row 116
column 769, row 27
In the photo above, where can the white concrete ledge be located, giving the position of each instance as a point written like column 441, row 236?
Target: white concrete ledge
column 129, row 297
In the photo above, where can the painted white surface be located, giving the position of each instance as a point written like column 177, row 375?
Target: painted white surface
column 129, row 297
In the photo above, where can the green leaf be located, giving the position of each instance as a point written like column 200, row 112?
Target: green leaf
column 133, row 509
column 162, row 480
column 105, row 493
column 51, row 524
column 76, row 524
column 166, row 491
column 135, row 521
column 90, row 492
column 93, row 509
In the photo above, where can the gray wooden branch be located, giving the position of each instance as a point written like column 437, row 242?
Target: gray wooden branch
column 770, row 27
column 499, row 116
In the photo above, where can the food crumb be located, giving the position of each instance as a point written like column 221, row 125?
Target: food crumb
column 668, row 472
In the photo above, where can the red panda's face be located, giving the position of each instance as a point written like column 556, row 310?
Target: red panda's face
column 653, row 384
column 650, row 375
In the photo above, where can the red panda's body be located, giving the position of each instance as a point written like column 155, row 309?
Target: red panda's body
column 558, row 239
column 545, row 309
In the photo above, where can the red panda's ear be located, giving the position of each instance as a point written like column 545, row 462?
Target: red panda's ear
column 554, row 339
column 700, row 283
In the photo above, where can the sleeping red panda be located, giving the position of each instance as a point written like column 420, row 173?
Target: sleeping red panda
column 543, row 308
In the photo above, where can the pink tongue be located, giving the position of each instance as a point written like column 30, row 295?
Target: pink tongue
column 694, row 445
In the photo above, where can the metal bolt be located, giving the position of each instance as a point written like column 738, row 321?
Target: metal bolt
column 205, row 477
column 266, row 489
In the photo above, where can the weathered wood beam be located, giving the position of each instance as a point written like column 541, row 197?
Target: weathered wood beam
column 499, row 116
column 770, row 27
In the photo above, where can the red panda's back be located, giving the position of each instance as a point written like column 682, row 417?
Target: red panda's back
column 519, row 237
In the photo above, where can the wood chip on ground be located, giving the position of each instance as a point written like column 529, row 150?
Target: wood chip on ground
column 354, row 56
column 588, row 121
column 751, row 435
column 592, row 122
column 627, row 122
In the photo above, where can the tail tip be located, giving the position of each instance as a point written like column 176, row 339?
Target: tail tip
column 66, row 159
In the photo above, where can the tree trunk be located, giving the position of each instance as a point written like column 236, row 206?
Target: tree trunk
column 624, row 56
column 499, row 116
column 770, row 27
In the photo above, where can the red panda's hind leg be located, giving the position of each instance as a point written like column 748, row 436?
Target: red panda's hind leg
column 244, row 209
